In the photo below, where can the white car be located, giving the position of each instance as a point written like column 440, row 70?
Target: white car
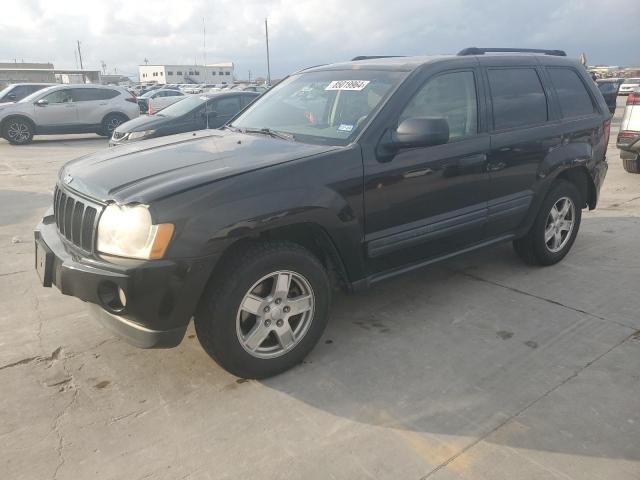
column 629, row 135
column 64, row 109
column 155, row 100
column 628, row 86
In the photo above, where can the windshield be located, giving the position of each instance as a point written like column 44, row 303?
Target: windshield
column 182, row 107
column 632, row 80
column 327, row 107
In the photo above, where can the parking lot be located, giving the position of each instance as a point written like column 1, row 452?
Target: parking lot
column 477, row 368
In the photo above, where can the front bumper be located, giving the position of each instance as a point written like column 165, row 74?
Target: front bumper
column 161, row 295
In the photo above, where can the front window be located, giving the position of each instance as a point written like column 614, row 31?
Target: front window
column 327, row 107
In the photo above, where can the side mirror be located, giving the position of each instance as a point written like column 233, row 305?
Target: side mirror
column 420, row 132
column 11, row 96
column 42, row 103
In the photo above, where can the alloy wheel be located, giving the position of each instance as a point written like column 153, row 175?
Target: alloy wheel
column 18, row 132
column 275, row 314
column 559, row 225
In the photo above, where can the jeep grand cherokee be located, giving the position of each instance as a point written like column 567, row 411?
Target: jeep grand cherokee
column 348, row 173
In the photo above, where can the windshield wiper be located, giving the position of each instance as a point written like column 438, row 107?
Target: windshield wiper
column 272, row 133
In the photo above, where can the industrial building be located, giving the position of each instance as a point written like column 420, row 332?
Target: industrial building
column 22, row 72
column 163, row 74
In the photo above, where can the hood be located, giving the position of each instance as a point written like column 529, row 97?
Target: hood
column 152, row 169
column 143, row 122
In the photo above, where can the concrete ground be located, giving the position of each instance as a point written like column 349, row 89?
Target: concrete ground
column 479, row 368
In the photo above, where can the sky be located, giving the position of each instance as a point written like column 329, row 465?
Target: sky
column 302, row 33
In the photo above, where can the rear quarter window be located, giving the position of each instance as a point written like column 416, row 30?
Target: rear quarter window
column 517, row 97
column 574, row 99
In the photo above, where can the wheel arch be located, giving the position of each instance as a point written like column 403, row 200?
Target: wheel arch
column 311, row 236
column 20, row 116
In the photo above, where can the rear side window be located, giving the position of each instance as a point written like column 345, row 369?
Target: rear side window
column 92, row 94
column 227, row 106
column 518, row 97
column 572, row 94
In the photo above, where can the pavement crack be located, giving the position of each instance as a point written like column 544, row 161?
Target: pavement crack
column 528, row 406
column 539, row 297
column 38, row 359
column 57, row 422
column 11, row 273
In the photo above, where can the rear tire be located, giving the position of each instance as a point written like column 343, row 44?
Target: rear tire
column 110, row 123
column 17, row 131
column 554, row 230
column 632, row 165
column 248, row 325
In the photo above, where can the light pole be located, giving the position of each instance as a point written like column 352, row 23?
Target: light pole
column 266, row 31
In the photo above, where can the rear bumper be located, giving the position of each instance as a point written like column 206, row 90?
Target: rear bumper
column 161, row 295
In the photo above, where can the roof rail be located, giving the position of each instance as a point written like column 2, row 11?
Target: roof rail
column 482, row 51
column 372, row 57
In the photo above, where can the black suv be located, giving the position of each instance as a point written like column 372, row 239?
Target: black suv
column 342, row 174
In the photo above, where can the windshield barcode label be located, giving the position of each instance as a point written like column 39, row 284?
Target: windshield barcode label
column 347, row 85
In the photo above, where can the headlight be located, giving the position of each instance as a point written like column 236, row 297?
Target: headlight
column 129, row 232
column 139, row 135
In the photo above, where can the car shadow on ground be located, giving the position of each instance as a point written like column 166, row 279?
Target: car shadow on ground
column 484, row 341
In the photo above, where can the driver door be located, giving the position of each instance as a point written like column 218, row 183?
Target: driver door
column 425, row 202
column 59, row 112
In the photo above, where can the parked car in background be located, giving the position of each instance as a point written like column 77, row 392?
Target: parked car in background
column 629, row 135
column 159, row 98
column 194, row 112
column 191, row 89
column 609, row 90
column 629, row 85
column 18, row 91
column 63, row 109
column 399, row 163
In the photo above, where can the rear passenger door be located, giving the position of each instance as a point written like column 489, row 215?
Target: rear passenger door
column 522, row 132
column 92, row 103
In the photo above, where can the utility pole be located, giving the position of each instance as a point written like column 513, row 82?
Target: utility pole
column 204, row 48
column 84, row 80
column 266, row 31
column 249, row 76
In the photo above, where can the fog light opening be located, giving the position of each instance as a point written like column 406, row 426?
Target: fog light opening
column 112, row 297
column 122, row 297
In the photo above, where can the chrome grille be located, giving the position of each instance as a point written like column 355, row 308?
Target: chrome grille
column 75, row 218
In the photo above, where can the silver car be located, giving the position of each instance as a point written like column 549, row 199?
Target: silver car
column 63, row 109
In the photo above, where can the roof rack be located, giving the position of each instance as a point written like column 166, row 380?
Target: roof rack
column 482, row 51
column 372, row 57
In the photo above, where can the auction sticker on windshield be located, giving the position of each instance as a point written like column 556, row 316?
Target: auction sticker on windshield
column 347, row 85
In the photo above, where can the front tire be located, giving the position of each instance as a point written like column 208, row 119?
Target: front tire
column 555, row 228
column 265, row 310
column 18, row 131
column 110, row 123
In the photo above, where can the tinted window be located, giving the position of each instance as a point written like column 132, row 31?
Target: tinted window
column 572, row 94
column 227, row 106
column 93, row 94
column 247, row 99
column 517, row 96
column 451, row 96
column 608, row 87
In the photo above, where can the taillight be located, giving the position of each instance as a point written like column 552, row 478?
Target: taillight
column 151, row 110
column 627, row 137
column 633, row 98
column 131, row 99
